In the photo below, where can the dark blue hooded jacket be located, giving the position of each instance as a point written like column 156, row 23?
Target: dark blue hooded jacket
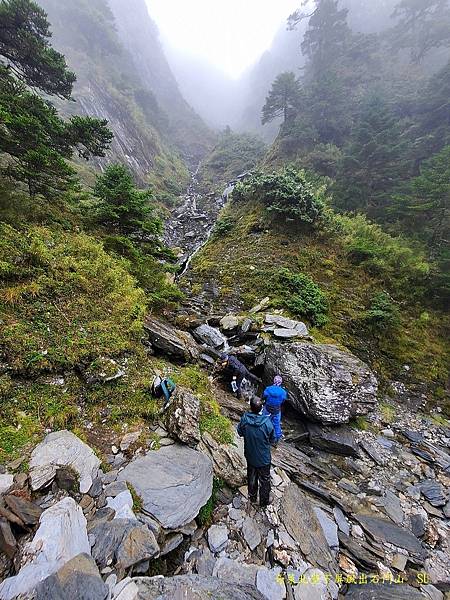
column 258, row 434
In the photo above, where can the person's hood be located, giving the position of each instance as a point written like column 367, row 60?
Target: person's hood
column 255, row 420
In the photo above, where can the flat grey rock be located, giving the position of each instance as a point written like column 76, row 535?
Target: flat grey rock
column 173, row 482
column 341, row 520
column 79, row 578
column 229, row 323
column 336, row 440
column 289, row 324
column 171, row 542
column 61, row 536
column 217, row 537
column 299, row 519
column 315, row 588
column 63, row 449
column 329, row 527
column 268, row 583
column 187, row 586
column 386, row 531
column 235, row 572
column 251, row 533
column 115, row 488
column 287, row 334
column 393, row 508
column 324, row 383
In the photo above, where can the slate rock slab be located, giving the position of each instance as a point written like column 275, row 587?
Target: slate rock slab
column 210, row 336
column 392, row 507
column 173, row 482
column 171, row 341
column 27, row 511
column 61, row 536
column 79, row 578
column 386, row 531
column 329, row 527
column 285, row 323
column 336, row 440
column 433, row 492
column 298, row 517
column 187, row 586
column 323, row 382
column 62, row 449
column 380, row 591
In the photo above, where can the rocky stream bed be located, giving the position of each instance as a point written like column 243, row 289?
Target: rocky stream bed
column 356, row 513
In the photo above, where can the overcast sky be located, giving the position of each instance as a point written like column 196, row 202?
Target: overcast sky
column 230, row 34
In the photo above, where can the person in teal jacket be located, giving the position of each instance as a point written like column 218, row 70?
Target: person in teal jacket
column 258, row 433
column 274, row 397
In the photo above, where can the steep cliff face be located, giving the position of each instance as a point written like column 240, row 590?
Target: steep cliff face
column 109, row 85
column 139, row 35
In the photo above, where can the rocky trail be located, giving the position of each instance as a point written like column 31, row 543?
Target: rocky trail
column 356, row 513
column 190, row 224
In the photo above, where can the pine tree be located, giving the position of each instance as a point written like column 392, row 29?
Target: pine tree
column 122, row 207
column 422, row 25
column 373, row 161
column 282, row 99
column 35, row 140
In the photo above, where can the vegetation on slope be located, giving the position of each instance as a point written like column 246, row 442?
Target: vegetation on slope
column 234, row 154
column 358, row 285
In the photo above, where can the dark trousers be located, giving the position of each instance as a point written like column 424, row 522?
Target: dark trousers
column 259, row 477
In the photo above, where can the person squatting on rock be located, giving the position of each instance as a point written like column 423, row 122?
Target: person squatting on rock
column 258, row 433
column 273, row 397
column 238, row 373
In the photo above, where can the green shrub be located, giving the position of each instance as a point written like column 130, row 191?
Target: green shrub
column 383, row 313
column 287, row 192
column 303, row 297
column 223, row 226
column 205, row 514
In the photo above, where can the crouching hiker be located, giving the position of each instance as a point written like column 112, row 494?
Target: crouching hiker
column 258, row 433
column 237, row 372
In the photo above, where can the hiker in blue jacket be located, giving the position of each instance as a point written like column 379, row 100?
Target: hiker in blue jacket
column 258, row 433
column 273, row 397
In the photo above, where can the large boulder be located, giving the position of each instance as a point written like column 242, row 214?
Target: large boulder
column 182, row 417
column 185, row 586
column 169, row 340
column 323, row 382
column 228, row 459
column 78, row 578
column 61, row 536
column 63, row 449
column 123, row 542
column 173, row 482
